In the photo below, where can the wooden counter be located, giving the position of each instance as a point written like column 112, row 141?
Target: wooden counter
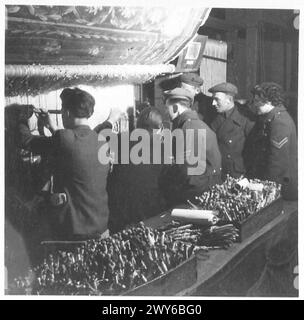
column 230, row 272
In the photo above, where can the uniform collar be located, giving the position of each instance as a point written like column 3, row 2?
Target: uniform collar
column 270, row 115
column 82, row 127
column 228, row 113
column 182, row 118
column 234, row 115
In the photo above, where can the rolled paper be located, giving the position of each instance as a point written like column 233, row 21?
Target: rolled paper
column 200, row 217
column 242, row 184
column 256, row 186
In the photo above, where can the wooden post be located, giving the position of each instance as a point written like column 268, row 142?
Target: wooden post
column 232, row 43
column 288, row 66
column 252, row 46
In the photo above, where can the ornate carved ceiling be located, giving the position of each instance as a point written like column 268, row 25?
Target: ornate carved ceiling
column 77, row 36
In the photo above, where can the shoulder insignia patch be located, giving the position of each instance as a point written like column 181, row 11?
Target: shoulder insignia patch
column 279, row 144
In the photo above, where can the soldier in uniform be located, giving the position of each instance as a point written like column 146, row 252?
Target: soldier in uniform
column 192, row 82
column 232, row 127
column 202, row 104
column 272, row 152
column 178, row 184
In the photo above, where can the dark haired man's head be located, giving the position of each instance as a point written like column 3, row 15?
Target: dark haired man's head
column 223, row 96
column 150, row 118
column 76, row 104
column 16, row 113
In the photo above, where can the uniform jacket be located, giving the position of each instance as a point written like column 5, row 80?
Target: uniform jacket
column 272, row 152
column 232, row 132
column 176, row 182
column 77, row 173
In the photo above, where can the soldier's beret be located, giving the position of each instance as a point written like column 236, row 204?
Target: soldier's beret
column 191, row 78
column 225, row 87
column 179, row 93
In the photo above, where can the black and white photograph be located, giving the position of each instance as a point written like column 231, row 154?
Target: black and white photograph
column 151, row 150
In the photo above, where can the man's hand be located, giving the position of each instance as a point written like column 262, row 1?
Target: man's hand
column 115, row 115
column 46, row 120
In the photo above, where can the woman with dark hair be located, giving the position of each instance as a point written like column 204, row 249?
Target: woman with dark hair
column 272, row 144
column 133, row 192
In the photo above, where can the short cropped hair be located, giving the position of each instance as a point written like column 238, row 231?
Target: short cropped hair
column 269, row 92
column 79, row 102
column 150, row 118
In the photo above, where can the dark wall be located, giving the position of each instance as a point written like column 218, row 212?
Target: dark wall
column 262, row 46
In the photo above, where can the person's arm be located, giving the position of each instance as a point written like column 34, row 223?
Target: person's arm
column 102, row 126
column 114, row 116
column 278, row 159
column 196, row 151
column 33, row 143
column 215, row 124
column 248, row 127
column 38, row 144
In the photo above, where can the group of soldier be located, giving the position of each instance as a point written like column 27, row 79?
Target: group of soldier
column 257, row 141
